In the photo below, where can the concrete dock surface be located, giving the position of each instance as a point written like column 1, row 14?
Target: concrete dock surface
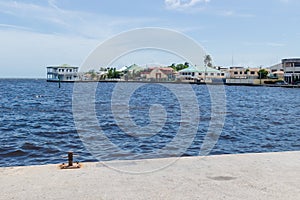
column 245, row 176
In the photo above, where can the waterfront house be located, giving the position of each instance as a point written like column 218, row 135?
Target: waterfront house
column 291, row 68
column 132, row 72
column 243, row 73
column 65, row 73
column 276, row 71
column 200, row 74
column 158, row 74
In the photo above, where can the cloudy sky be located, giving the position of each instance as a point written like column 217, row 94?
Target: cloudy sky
column 37, row 33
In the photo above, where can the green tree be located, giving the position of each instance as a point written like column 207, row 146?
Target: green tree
column 92, row 73
column 207, row 63
column 179, row 67
column 186, row 64
column 113, row 73
column 262, row 74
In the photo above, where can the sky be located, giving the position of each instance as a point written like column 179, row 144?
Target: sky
column 38, row 33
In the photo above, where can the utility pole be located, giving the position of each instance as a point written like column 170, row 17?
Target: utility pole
column 260, row 74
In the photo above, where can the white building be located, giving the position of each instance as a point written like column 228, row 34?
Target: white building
column 291, row 68
column 276, row 71
column 201, row 74
column 63, row 73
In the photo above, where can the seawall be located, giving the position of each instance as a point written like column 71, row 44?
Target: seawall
column 246, row 176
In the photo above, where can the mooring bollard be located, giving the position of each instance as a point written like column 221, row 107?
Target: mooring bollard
column 70, row 158
column 70, row 164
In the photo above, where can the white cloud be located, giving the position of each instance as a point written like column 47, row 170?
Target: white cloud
column 271, row 44
column 183, row 4
column 274, row 44
column 285, row 1
column 85, row 24
column 10, row 26
column 26, row 54
column 57, row 36
column 231, row 13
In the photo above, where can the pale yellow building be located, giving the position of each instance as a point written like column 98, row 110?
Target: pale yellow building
column 243, row 73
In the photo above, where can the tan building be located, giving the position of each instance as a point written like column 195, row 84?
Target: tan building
column 158, row 74
column 243, row 73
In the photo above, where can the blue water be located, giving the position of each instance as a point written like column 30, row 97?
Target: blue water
column 37, row 124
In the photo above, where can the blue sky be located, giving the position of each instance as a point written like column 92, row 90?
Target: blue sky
column 37, row 33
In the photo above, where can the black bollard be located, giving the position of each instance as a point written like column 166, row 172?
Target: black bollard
column 70, row 158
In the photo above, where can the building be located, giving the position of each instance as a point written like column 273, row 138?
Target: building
column 242, row 73
column 63, row 73
column 276, row 71
column 132, row 72
column 158, row 74
column 201, row 74
column 291, row 67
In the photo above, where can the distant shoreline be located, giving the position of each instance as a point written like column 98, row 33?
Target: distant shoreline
column 192, row 83
column 157, row 82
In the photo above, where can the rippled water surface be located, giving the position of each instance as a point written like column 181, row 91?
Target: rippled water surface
column 37, row 124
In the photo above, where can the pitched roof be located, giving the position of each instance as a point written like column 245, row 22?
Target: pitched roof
column 63, row 65
column 135, row 68
column 200, row 69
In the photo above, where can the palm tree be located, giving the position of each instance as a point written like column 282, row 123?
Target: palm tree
column 207, row 62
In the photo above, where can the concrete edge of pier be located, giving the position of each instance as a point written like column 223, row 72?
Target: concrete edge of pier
column 242, row 176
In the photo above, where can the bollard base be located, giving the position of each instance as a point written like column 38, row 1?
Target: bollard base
column 74, row 166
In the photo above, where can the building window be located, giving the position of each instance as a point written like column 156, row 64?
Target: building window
column 206, row 74
column 200, row 74
column 211, row 74
column 235, row 72
column 252, row 72
column 296, row 64
column 241, row 72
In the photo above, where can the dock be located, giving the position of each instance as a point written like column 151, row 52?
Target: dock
column 244, row 176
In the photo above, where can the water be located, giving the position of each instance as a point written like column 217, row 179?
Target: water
column 37, row 124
